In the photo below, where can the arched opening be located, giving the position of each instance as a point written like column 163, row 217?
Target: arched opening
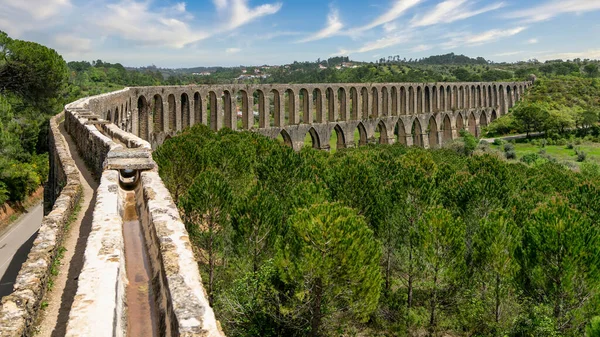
column 417, row 133
column 343, row 108
column 116, row 121
column 472, row 97
column 364, row 97
column 285, row 138
column 419, row 100
column 360, row 135
column 109, row 116
column 354, row 104
column 435, row 99
column 157, row 112
column 381, row 133
column 509, row 96
column 229, row 115
column 447, row 136
column 400, row 132
column 489, row 101
column 478, row 97
column 331, row 102
column 483, row 121
column 312, row 139
column 243, row 110
column 442, row 99
column 214, row 116
column 402, row 101
column 305, row 113
column 142, row 118
column 433, row 133
column 185, row 111
column 493, row 116
column 516, row 95
column 495, row 96
column 275, row 108
column 197, row 108
column 394, row 101
column 317, row 112
column 460, row 122
column 385, row 101
column 338, row 140
column 291, row 115
column 455, row 105
column 427, row 100
column 472, row 124
column 411, row 101
column 502, row 100
column 375, row 103
column 448, row 105
column 461, row 98
column 172, row 113
column 258, row 107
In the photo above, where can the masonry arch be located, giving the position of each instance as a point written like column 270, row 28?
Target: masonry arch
column 400, row 132
column 230, row 116
column 185, row 111
column 143, row 115
column 502, row 98
column 455, row 98
column 314, row 139
column 417, row 133
column 364, row 96
column 354, row 103
column 509, row 94
column 258, row 106
column 362, row 135
column 317, row 113
column 305, row 115
column 394, row 101
column 432, row 131
column 447, row 126
column 342, row 114
column 290, row 112
column 411, row 101
column 275, row 108
column 449, row 99
column 427, row 95
column 214, row 114
column 495, row 96
column 472, row 124
column 331, row 102
column 116, row 121
column 158, row 113
column 403, row 100
column 109, row 116
column 384, row 101
column 374, row 113
column 419, row 100
column 442, row 99
column 460, row 122
column 435, row 100
column 285, row 138
column 382, row 131
column 483, row 121
column 172, row 112
column 493, row 116
column 198, row 108
column 340, row 141
column 478, row 97
column 461, row 98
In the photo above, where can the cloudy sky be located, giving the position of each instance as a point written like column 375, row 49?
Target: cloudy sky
column 253, row 32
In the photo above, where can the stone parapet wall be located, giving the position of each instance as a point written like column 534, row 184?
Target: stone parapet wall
column 181, row 299
column 129, row 140
column 99, row 306
column 19, row 310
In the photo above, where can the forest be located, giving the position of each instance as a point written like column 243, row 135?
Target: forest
column 385, row 240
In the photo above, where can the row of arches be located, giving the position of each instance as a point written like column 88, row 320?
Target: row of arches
column 245, row 109
column 421, row 133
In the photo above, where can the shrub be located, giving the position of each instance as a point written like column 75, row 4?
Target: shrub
column 512, row 154
column 578, row 141
column 581, row 156
column 543, row 142
column 509, row 147
column 530, row 158
column 498, row 142
column 561, row 142
column 542, row 152
column 593, row 329
column 570, row 146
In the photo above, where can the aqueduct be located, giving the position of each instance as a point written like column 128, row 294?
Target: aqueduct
column 115, row 133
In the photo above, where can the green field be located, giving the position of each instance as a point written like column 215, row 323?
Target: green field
column 560, row 152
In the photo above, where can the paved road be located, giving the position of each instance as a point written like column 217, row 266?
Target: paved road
column 15, row 245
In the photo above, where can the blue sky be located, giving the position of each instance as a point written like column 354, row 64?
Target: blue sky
column 254, row 32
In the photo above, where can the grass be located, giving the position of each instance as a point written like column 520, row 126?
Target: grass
column 560, row 152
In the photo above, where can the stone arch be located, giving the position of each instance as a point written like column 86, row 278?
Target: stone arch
column 448, row 99
column 158, row 113
column 427, row 100
column 495, row 96
column 314, row 136
column 214, row 115
column 244, row 110
column 116, row 122
column 172, row 112
column 354, row 103
column 185, row 111
column 305, row 115
column 442, row 98
column 509, row 96
column 198, row 118
column 478, row 97
column 364, row 96
column 403, row 100
column 331, row 102
column 342, row 114
column 394, row 111
column 230, row 116
column 483, row 121
column 400, row 132
column 460, row 122
column 516, row 95
column 447, row 125
column 109, row 116
column 258, row 104
column 375, row 103
column 454, row 98
column 435, row 99
column 461, row 98
column 489, row 101
column 316, row 98
column 291, row 114
column 362, row 135
column 417, row 133
column 287, row 140
column 419, row 100
column 472, row 124
column 501, row 97
column 341, row 138
column 411, row 101
column 275, row 108
column 382, row 133
column 143, row 116
column 493, row 116
column 385, row 101
column 433, row 132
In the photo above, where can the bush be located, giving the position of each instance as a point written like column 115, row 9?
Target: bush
column 498, row 142
column 581, row 156
column 570, row 146
column 593, row 329
column 561, row 142
column 3, row 193
column 469, row 140
column 512, row 154
column 530, row 158
column 509, row 147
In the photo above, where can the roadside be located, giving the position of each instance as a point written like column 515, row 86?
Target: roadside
column 53, row 319
column 15, row 245
column 9, row 215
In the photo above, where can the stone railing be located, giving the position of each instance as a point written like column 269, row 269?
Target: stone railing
column 20, row 309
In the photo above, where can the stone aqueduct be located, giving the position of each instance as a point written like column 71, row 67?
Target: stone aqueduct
column 426, row 115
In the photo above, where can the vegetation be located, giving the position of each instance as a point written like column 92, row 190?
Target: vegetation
column 386, row 240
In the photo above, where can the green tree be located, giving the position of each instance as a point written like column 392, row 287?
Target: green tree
column 332, row 259
column 532, row 116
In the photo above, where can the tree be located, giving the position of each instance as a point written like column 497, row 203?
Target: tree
column 591, row 70
column 532, row 116
column 332, row 259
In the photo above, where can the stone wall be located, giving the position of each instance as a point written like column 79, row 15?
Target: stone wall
column 99, row 306
column 183, row 308
column 19, row 310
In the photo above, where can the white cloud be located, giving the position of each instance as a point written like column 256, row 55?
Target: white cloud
column 334, row 25
column 73, row 44
column 385, row 42
column 397, row 10
column 232, row 50
column 420, row 48
column 482, row 38
column 509, row 53
column 589, row 54
column 450, row 11
column 38, row 9
column 148, row 26
column 532, row 41
column 19, row 16
column 554, row 8
column 237, row 12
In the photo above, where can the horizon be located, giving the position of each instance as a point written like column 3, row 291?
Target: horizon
column 233, row 33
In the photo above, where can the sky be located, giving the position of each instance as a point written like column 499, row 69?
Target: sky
column 178, row 34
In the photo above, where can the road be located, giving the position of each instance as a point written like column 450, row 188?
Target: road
column 15, row 244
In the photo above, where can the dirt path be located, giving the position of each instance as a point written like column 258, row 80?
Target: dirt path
column 53, row 319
